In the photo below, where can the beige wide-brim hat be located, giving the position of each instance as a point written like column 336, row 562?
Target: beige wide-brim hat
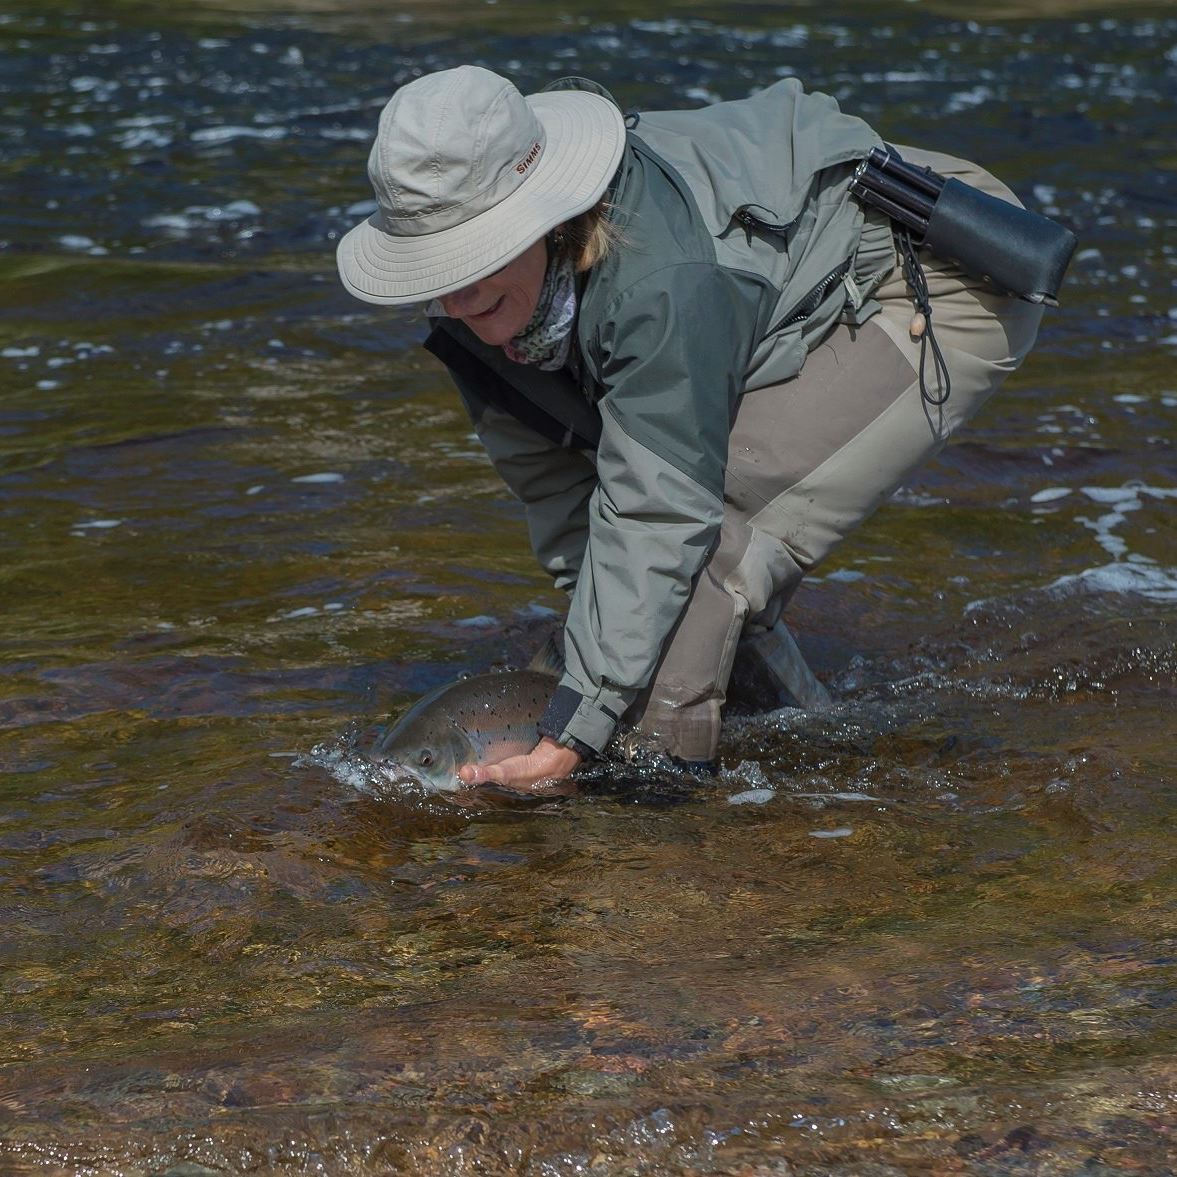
column 468, row 173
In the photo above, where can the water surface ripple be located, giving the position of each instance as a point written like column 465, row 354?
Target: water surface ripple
column 242, row 520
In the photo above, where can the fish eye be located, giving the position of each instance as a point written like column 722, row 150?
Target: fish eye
column 425, row 760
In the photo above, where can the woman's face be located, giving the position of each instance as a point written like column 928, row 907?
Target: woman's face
column 496, row 308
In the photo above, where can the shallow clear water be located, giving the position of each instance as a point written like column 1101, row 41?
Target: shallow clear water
column 243, row 520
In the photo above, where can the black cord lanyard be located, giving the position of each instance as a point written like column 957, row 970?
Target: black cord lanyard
column 917, row 280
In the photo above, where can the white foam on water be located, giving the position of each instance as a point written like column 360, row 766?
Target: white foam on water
column 534, row 609
column 749, row 774
column 143, row 137
column 199, row 214
column 1114, row 545
column 90, row 525
column 850, row 796
column 170, row 221
column 1050, row 494
column 1129, row 572
column 752, row 797
column 793, row 37
column 1155, row 583
column 294, row 614
column 348, row 768
column 671, row 26
column 1122, row 500
column 144, row 120
column 1112, row 494
column 227, row 134
column 86, row 85
column 325, row 476
column 966, row 99
column 355, row 771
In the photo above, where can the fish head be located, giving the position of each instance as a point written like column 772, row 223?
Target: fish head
column 480, row 719
column 430, row 747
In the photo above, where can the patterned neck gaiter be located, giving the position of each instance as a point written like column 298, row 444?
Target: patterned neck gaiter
column 547, row 338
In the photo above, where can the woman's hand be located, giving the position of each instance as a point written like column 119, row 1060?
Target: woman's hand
column 546, row 762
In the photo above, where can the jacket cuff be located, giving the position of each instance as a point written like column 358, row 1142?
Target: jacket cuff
column 580, row 722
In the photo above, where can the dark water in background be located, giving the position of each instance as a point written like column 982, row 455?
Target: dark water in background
column 242, row 518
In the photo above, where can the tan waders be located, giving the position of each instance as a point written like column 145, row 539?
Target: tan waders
column 810, row 459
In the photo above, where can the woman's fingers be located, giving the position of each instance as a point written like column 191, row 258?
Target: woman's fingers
column 547, row 761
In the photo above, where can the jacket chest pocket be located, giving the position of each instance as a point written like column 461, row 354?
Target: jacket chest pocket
column 758, row 220
column 762, row 221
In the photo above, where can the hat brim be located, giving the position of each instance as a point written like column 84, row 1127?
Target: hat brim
column 585, row 136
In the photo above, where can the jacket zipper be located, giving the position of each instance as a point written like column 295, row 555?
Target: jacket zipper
column 814, row 298
column 746, row 217
column 751, row 221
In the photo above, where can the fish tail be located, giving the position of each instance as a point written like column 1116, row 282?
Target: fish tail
column 549, row 658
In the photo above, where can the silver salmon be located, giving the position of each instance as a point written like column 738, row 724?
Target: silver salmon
column 476, row 720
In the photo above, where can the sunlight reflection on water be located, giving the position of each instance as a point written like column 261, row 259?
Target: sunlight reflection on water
column 244, row 521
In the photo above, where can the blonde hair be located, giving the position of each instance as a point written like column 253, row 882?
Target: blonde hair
column 588, row 237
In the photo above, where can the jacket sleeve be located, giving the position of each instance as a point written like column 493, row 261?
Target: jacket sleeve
column 538, row 429
column 670, row 353
column 554, row 485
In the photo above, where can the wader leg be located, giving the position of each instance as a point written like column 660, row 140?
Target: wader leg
column 680, row 710
column 854, row 424
column 810, row 459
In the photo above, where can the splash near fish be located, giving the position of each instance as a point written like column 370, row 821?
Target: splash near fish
column 477, row 720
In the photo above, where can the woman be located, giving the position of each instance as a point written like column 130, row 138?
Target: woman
column 689, row 351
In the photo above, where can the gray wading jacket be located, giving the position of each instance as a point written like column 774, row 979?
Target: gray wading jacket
column 740, row 248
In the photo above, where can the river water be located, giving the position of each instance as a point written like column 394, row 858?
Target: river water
column 244, row 520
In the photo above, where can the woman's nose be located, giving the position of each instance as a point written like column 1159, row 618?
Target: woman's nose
column 457, row 303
